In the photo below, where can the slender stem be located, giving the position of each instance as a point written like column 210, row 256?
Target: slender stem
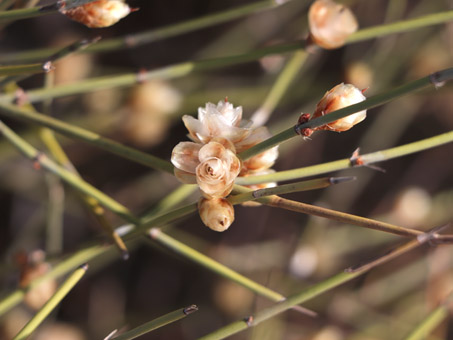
column 278, row 90
column 42, row 160
column 172, row 30
column 338, row 216
column 88, row 137
column 80, row 257
column 58, row 153
column 436, row 79
column 168, row 72
column 157, row 323
column 28, row 69
column 205, row 261
column 171, row 200
column 146, row 37
column 401, row 26
column 47, row 64
column 278, row 202
column 303, row 296
column 286, row 189
column 50, row 305
column 346, row 163
column 25, row 13
column 429, row 324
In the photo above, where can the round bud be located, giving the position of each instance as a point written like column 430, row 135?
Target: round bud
column 330, row 23
column 337, row 98
column 216, row 213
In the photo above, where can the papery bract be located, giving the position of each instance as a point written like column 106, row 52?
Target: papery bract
column 337, row 98
column 213, row 121
column 330, row 23
column 212, row 166
column 216, row 213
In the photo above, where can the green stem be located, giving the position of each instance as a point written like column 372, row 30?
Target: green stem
column 146, row 37
column 51, row 303
column 32, row 12
column 59, row 54
column 205, row 261
column 65, row 266
column 283, row 203
column 435, row 79
column 188, row 26
column 88, row 137
column 168, row 72
column 285, row 189
column 278, row 90
column 42, row 160
column 157, row 323
column 346, row 163
column 401, row 26
column 294, row 300
column 429, row 324
column 15, row 70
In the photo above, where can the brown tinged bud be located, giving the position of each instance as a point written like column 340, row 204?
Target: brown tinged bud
column 337, row 98
column 330, row 23
column 216, row 213
column 102, row 13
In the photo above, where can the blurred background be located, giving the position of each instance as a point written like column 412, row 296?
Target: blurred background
column 42, row 220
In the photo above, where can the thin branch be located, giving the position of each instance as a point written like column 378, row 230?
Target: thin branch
column 318, row 183
column 156, row 323
column 191, row 25
column 206, row 262
column 146, row 37
column 436, row 79
column 303, row 296
column 88, row 137
column 346, row 163
column 50, row 60
column 431, row 322
column 278, row 202
column 41, row 160
column 50, row 305
column 28, row 69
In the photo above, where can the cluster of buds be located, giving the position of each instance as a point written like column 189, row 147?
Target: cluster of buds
column 330, row 23
column 211, row 161
column 96, row 14
column 337, row 98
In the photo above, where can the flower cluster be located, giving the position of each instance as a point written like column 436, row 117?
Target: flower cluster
column 211, row 161
column 96, row 14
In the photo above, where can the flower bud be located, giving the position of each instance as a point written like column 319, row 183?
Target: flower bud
column 216, row 213
column 330, row 23
column 337, row 98
column 101, row 13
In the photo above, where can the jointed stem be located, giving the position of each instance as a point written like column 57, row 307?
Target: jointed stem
column 436, row 79
column 346, row 163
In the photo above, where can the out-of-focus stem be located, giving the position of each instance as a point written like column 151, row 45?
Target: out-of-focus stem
column 50, row 305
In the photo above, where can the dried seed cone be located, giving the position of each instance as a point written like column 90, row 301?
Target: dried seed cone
column 337, row 98
column 102, row 13
column 330, row 23
column 216, row 213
